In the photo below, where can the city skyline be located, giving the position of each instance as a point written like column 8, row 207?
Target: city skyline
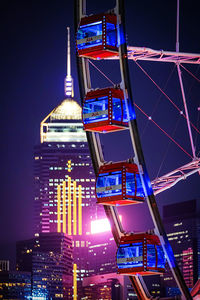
column 175, row 187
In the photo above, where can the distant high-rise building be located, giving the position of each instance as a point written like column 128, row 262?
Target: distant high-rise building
column 15, row 285
column 102, row 254
column 108, row 286
column 4, row 265
column 103, row 287
column 49, row 259
column 64, row 182
column 64, row 179
column 65, row 198
column 182, row 224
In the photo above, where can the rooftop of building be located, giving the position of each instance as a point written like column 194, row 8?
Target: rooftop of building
column 68, row 109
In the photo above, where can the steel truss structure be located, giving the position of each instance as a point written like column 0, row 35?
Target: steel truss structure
column 168, row 180
column 142, row 53
column 159, row 184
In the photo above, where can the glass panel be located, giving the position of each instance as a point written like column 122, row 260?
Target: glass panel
column 111, row 35
column 117, row 109
column 151, row 256
column 161, row 257
column 95, row 110
column 140, row 191
column 89, row 35
column 109, row 184
column 130, row 256
column 125, row 115
column 130, row 184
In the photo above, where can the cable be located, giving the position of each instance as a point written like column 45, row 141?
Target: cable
column 164, row 131
column 196, row 136
column 190, row 73
column 180, row 111
column 158, row 101
column 167, row 149
column 101, row 72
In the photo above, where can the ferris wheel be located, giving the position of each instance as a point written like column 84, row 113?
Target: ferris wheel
column 112, row 109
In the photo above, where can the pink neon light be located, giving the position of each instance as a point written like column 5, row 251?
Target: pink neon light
column 101, row 225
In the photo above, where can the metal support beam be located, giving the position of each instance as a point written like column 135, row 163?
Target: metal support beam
column 148, row 54
column 170, row 179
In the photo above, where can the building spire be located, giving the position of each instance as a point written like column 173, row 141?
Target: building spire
column 69, row 89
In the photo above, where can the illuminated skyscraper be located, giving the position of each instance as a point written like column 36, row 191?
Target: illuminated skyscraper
column 64, row 179
column 15, row 285
column 182, row 223
column 48, row 258
column 65, row 200
column 4, row 265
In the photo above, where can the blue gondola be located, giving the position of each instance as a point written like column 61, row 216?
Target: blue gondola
column 104, row 110
column 140, row 254
column 97, row 36
column 119, row 184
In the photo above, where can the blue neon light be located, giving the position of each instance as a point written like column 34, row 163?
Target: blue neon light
column 132, row 113
column 147, row 183
column 160, row 257
column 170, row 254
column 151, row 256
column 133, row 182
column 111, row 35
column 117, row 109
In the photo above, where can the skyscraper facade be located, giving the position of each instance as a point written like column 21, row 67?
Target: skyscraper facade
column 64, row 180
column 48, row 258
column 182, row 223
column 65, row 198
column 4, row 265
column 15, row 285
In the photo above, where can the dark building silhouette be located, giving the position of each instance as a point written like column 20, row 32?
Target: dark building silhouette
column 4, row 265
column 15, row 285
column 182, row 224
column 102, row 254
column 49, row 259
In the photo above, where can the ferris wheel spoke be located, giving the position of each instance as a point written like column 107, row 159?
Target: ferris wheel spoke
column 170, row 179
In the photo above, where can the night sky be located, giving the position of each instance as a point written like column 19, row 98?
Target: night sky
column 33, row 67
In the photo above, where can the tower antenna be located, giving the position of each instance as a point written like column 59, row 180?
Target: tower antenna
column 69, row 89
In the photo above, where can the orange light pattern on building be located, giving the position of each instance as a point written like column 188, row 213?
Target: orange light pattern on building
column 66, row 207
column 75, row 281
column 69, row 207
column 69, row 166
column 74, row 209
column 79, row 210
column 58, row 209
